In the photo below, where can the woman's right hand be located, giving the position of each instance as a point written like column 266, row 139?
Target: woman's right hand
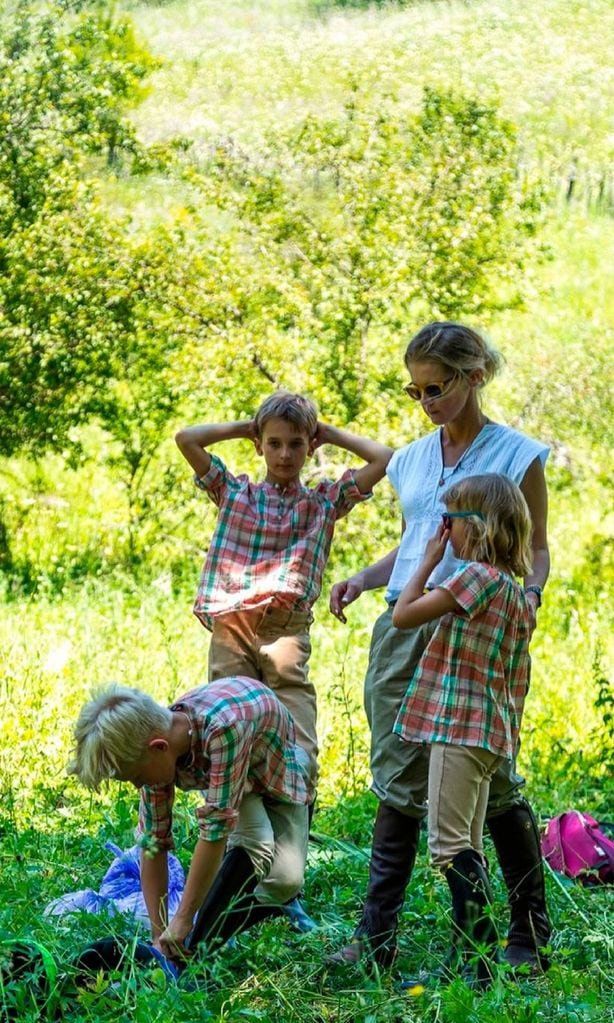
column 344, row 593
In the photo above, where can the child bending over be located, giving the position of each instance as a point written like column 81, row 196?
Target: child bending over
column 264, row 567
column 234, row 741
column 467, row 694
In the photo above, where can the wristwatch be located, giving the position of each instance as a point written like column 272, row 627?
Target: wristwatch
column 537, row 590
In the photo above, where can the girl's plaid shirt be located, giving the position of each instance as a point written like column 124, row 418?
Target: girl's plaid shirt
column 269, row 545
column 242, row 741
column 470, row 684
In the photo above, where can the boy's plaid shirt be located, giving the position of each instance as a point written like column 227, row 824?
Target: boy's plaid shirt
column 470, row 684
column 242, row 741
column 269, row 545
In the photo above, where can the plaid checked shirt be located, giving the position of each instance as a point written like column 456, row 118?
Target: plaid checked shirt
column 242, row 741
column 269, row 545
column 472, row 679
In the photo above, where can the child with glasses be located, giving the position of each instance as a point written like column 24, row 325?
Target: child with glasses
column 466, row 696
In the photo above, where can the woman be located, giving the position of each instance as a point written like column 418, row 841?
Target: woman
column 448, row 365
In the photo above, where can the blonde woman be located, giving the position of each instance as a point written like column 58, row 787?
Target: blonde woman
column 448, row 363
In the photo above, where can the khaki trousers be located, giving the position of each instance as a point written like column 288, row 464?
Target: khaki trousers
column 458, row 786
column 275, row 836
column 401, row 769
column 273, row 646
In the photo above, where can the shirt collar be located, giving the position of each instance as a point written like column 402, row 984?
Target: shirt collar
column 290, row 489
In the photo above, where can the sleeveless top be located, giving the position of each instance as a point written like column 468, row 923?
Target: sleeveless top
column 415, row 472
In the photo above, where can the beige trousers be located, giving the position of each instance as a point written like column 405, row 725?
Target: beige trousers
column 400, row 769
column 273, row 646
column 275, row 836
column 458, row 789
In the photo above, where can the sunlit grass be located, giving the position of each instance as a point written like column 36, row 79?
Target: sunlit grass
column 239, row 69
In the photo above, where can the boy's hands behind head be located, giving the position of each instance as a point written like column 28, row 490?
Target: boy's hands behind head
column 321, row 436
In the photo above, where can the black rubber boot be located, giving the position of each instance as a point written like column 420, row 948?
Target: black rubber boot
column 393, row 854
column 116, row 955
column 516, row 839
column 230, row 905
column 474, row 937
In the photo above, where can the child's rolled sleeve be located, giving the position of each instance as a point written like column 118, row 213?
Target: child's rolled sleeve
column 216, row 481
column 343, row 493
column 155, row 827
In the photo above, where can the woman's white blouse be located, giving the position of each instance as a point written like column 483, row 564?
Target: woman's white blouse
column 415, row 472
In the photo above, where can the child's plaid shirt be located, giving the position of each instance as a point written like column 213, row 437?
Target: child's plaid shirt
column 270, row 545
column 242, row 741
column 470, row 684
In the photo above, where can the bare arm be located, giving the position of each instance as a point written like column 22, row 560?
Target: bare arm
column 193, row 441
column 376, row 455
column 205, row 864
column 154, row 882
column 534, row 489
column 409, row 613
column 371, row 578
column 415, row 607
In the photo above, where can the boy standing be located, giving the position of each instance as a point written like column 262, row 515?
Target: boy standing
column 233, row 740
column 264, row 567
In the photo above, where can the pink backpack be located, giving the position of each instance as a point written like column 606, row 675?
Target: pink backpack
column 574, row 844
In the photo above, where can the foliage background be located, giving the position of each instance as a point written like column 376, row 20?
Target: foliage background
column 200, row 201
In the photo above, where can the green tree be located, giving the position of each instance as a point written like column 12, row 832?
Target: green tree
column 297, row 265
column 85, row 327
column 350, row 228
column 66, row 277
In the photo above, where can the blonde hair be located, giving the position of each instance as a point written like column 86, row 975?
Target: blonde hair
column 457, row 347
column 294, row 408
column 504, row 533
column 112, row 732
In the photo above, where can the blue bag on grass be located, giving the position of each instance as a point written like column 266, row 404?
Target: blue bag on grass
column 120, row 890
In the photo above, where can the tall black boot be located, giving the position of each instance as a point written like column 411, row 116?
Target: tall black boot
column 473, row 933
column 393, row 854
column 230, row 905
column 516, row 839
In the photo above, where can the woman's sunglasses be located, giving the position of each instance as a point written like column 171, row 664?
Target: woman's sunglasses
column 431, row 391
column 447, row 517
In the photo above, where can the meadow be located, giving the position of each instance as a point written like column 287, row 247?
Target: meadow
column 80, row 607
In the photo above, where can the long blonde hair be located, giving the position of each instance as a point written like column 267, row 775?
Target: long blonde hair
column 503, row 532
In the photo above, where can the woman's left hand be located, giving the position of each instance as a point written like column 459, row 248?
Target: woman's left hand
column 435, row 548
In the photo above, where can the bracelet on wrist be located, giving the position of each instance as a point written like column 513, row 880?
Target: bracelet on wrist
column 537, row 590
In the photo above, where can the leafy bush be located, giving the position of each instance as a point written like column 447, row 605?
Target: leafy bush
column 66, row 81
column 348, row 226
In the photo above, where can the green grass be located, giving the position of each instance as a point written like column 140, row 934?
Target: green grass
column 53, row 833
